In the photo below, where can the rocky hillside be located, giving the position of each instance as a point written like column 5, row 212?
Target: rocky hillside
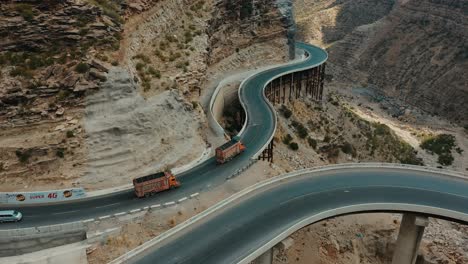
column 237, row 24
column 151, row 58
column 411, row 50
column 47, row 52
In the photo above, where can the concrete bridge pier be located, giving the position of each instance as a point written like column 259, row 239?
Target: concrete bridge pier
column 409, row 238
column 265, row 258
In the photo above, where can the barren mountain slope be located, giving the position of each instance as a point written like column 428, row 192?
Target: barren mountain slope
column 96, row 97
column 413, row 50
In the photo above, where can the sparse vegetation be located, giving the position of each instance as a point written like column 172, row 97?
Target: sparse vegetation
column 348, row 149
column 142, row 57
column 60, row 153
column 285, row 111
column 441, row 145
column 287, row 139
column 312, row 142
column 109, row 8
column 294, row 146
column 139, row 66
column 301, row 131
column 382, row 139
column 25, row 10
column 82, row 67
column 23, row 156
column 70, row 134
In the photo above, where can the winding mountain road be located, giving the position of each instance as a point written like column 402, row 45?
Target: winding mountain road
column 241, row 228
column 254, row 221
column 259, row 129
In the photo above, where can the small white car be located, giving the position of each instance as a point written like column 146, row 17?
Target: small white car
column 10, row 216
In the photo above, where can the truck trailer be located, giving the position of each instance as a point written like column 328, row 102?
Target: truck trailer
column 229, row 150
column 154, row 183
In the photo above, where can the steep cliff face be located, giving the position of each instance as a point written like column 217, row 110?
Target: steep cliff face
column 237, row 24
column 412, row 50
column 420, row 55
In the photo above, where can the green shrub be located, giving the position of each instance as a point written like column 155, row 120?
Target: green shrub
column 142, row 57
column 23, row 156
column 348, row 148
column 194, row 104
column 287, row 139
column 70, row 134
column 20, row 71
column 171, row 38
column 326, row 138
column 286, row 112
column 139, row 66
column 294, row 146
column 312, row 142
column 445, row 159
column 154, row 72
column 146, row 86
column 440, row 144
column 25, row 10
column 109, row 8
column 60, row 153
column 300, row 129
column 82, row 67
column 381, row 129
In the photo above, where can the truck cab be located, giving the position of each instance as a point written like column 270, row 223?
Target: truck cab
column 173, row 182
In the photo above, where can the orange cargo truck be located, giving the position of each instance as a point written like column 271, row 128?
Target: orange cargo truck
column 229, row 150
column 151, row 184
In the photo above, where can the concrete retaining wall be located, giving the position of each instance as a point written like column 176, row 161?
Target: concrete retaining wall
column 26, row 240
column 68, row 254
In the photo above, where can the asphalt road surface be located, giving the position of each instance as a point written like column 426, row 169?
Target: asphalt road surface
column 238, row 230
column 207, row 175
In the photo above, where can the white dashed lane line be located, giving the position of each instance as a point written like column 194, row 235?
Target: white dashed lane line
column 67, row 212
column 107, row 205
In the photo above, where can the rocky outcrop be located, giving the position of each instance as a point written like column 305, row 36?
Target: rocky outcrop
column 47, row 51
column 237, row 24
column 45, row 25
column 421, row 55
column 414, row 51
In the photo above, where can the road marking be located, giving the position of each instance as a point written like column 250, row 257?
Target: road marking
column 182, row 199
column 155, row 206
column 121, row 213
column 104, row 217
column 66, row 212
column 88, row 220
column 145, row 208
column 169, row 203
column 194, row 195
column 107, row 205
column 135, row 210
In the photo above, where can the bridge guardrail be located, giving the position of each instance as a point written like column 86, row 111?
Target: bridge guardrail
column 269, row 184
